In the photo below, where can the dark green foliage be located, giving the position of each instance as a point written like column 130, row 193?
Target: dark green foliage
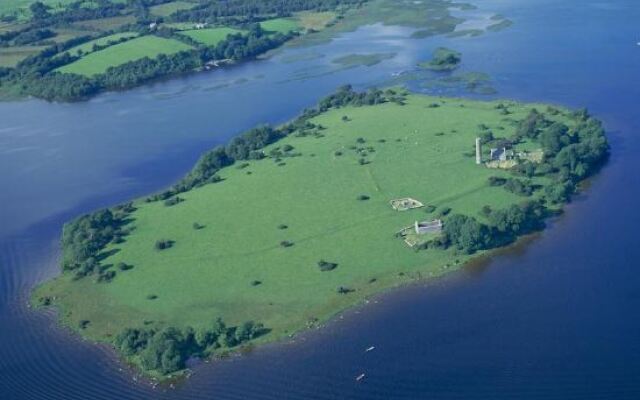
column 86, row 236
column 197, row 226
column 286, row 243
column 344, row 290
column 531, row 126
column 519, row 187
column 256, row 283
column 251, row 10
column 123, row 266
column 163, row 244
column 282, row 226
column 326, row 266
column 497, row 181
column 465, row 233
column 172, row 201
column 444, row 211
column 152, row 297
column 517, row 220
column 444, row 59
column 363, row 197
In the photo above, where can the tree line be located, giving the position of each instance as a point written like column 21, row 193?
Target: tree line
column 167, row 350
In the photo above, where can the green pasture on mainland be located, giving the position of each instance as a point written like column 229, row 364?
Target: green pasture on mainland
column 417, row 150
column 281, row 25
column 210, row 36
column 134, row 49
column 166, row 9
column 86, row 48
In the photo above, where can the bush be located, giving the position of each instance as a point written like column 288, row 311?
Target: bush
column 282, row 226
column 363, row 197
column 173, row 201
column 344, row 290
column 496, row 181
column 197, row 226
column 124, row 267
column 163, row 244
column 326, row 266
column 286, row 243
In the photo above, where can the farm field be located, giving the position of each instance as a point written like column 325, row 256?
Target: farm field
column 315, row 20
column 281, row 25
column 107, row 24
column 11, row 56
column 210, row 36
column 87, row 47
column 135, row 49
column 322, row 202
column 166, row 9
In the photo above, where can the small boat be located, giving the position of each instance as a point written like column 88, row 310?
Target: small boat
column 368, row 349
column 360, row 377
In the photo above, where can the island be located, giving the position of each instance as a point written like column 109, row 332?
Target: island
column 285, row 227
column 444, row 59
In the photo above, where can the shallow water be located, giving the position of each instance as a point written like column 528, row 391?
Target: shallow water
column 553, row 319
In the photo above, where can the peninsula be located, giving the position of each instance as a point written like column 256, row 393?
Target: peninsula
column 284, row 227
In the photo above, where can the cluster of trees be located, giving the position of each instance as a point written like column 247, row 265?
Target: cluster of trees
column 468, row 235
column 570, row 153
column 519, row 187
column 254, row 10
column 85, row 237
column 444, row 59
column 167, row 350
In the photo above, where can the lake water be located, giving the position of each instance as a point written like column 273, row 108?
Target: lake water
column 555, row 318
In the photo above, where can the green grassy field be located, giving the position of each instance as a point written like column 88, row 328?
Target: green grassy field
column 107, row 24
column 166, row 9
column 416, row 150
column 315, row 20
column 282, row 25
column 87, row 47
column 11, row 56
column 135, row 49
column 210, row 36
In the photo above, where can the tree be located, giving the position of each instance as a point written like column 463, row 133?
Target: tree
column 39, row 10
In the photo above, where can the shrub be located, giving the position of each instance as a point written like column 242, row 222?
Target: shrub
column 256, row 283
column 124, row 267
column 197, row 226
column 282, row 226
column 337, row 153
column 360, row 140
column 326, row 266
column 173, row 201
column 363, row 197
column 151, row 297
column 163, row 244
column 286, row 243
column 344, row 290
column 445, row 211
column 496, row 181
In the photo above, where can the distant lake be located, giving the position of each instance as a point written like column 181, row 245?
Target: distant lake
column 553, row 318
